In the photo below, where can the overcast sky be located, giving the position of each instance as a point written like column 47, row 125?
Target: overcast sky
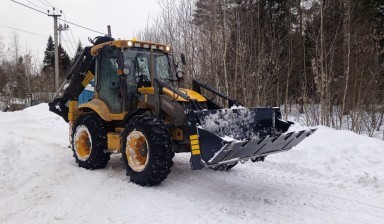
column 126, row 18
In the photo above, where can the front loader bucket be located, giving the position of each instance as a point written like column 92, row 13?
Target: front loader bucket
column 230, row 135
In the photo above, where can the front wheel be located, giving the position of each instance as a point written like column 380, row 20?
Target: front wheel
column 89, row 140
column 146, row 150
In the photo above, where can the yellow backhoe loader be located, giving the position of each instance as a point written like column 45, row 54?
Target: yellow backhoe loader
column 138, row 110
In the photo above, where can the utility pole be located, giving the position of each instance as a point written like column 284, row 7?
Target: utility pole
column 55, row 34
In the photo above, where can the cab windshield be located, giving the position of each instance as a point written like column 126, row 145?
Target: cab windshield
column 138, row 61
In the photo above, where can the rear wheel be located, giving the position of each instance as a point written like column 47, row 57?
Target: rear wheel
column 89, row 140
column 146, row 150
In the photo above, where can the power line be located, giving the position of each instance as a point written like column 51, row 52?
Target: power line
column 63, row 29
column 65, row 17
column 25, row 31
column 55, row 19
column 82, row 26
column 49, row 4
column 29, row 7
column 65, row 20
column 70, row 41
column 65, row 42
column 36, row 5
column 59, row 19
column 73, row 37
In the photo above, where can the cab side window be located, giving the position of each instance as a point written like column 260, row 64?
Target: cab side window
column 109, row 85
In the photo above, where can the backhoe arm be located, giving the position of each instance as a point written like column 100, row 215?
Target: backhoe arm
column 80, row 74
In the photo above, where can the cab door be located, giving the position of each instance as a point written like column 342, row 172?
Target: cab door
column 108, row 81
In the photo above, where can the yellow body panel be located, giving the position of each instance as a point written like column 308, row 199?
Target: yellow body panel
column 193, row 137
column 192, row 94
column 72, row 110
column 102, row 110
column 114, row 140
column 195, row 142
column 196, row 152
column 99, row 107
column 124, row 44
column 87, row 78
column 195, row 147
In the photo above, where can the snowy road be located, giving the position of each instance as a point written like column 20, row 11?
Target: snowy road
column 332, row 177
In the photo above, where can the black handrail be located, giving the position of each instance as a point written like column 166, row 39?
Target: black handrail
column 158, row 88
column 173, row 89
column 196, row 84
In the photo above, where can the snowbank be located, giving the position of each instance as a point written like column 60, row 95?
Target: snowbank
column 341, row 155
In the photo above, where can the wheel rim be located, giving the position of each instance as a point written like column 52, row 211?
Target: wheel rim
column 83, row 143
column 136, row 151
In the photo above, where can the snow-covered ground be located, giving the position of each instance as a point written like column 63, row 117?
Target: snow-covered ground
column 332, row 177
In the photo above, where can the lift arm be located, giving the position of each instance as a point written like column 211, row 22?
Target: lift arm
column 80, row 74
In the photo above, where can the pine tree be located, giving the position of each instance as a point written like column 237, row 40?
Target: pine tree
column 64, row 60
column 4, row 77
column 49, row 55
column 49, row 59
column 78, row 51
column 19, row 80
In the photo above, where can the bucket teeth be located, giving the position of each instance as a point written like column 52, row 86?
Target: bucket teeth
column 242, row 150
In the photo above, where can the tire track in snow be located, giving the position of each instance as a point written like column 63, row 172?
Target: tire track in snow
column 279, row 186
column 297, row 177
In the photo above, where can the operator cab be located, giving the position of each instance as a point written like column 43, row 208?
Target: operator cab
column 124, row 66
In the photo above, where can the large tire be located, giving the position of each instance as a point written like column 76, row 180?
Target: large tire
column 146, row 150
column 89, row 140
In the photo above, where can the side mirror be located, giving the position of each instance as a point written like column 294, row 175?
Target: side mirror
column 182, row 56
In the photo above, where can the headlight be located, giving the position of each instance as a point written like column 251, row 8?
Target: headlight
column 179, row 75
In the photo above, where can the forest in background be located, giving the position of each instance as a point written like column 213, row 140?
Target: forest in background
column 22, row 73
column 320, row 59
